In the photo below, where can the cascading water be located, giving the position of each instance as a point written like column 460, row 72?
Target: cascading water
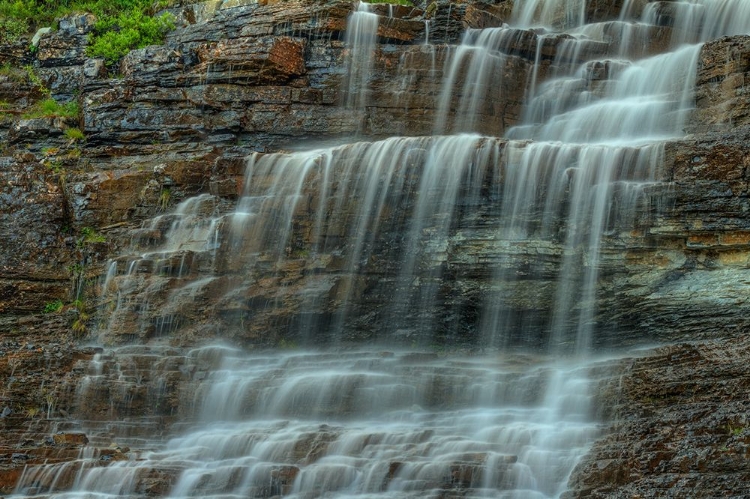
column 374, row 422
column 361, row 38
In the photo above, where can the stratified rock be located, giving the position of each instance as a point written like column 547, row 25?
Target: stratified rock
column 70, row 439
column 34, row 252
column 252, row 61
column 61, row 55
column 485, row 15
column 722, row 93
column 679, row 426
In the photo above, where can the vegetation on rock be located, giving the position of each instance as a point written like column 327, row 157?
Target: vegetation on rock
column 74, row 134
column 122, row 25
column 11, row 30
column 115, row 36
column 53, row 306
column 90, row 236
column 50, row 108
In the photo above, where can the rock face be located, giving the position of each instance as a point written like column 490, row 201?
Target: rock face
column 680, row 424
column 178, row 120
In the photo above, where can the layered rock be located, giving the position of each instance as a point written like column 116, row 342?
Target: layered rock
column 679, row 426
column 261, row 76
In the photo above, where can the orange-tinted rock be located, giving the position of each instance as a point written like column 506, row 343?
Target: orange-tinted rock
column 70, row 439
column 485, row 15
column 253, row 60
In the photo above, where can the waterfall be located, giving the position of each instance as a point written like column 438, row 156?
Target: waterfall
column 342, row 424
column 558, row 13
column 387, row 383
column 361, row 38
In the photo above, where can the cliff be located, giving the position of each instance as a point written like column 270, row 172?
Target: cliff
column 236, row 78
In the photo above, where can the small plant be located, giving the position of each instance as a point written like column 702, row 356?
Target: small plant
column 50, row 399
column 74, row 134
column 286, row 344
column 735, row 431
column 50, row 108
column 165, row 197
column 74, row 153
column 54, row 166
column 35, row 80
column 53, row 307
column 75, row 270
column 115, row 36
column 79, row 325
column 5, row 108
column 90, row 236
column 430, row 10
column 13, row 73
column 11, row 30
column 32, row 412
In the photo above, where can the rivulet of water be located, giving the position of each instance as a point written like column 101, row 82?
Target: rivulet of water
column 361, row 40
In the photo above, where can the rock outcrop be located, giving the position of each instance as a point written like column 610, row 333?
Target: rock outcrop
column 680, row 425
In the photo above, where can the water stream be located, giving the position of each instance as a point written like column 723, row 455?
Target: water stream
column 411, row 421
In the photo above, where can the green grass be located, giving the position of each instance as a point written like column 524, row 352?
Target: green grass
column 50, row 108
column 74, row 134
column 53, row 306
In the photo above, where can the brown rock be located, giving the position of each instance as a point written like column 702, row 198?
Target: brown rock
column 722, row 91
column 485, row 15
column 253, row 61
column 70, row 439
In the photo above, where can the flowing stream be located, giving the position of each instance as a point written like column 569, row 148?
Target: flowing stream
column 381, row 421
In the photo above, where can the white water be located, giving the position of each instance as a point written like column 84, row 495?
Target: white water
column 700, row 20
column 382, row 424
column 361, row 38
column 561, row 14
column 139, row 282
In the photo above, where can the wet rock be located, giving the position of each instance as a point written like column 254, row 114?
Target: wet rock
column 257, row 76
column 70, row 439
column 253, row 60
column 486, row 15
column 680, row 419
column 722, row 93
